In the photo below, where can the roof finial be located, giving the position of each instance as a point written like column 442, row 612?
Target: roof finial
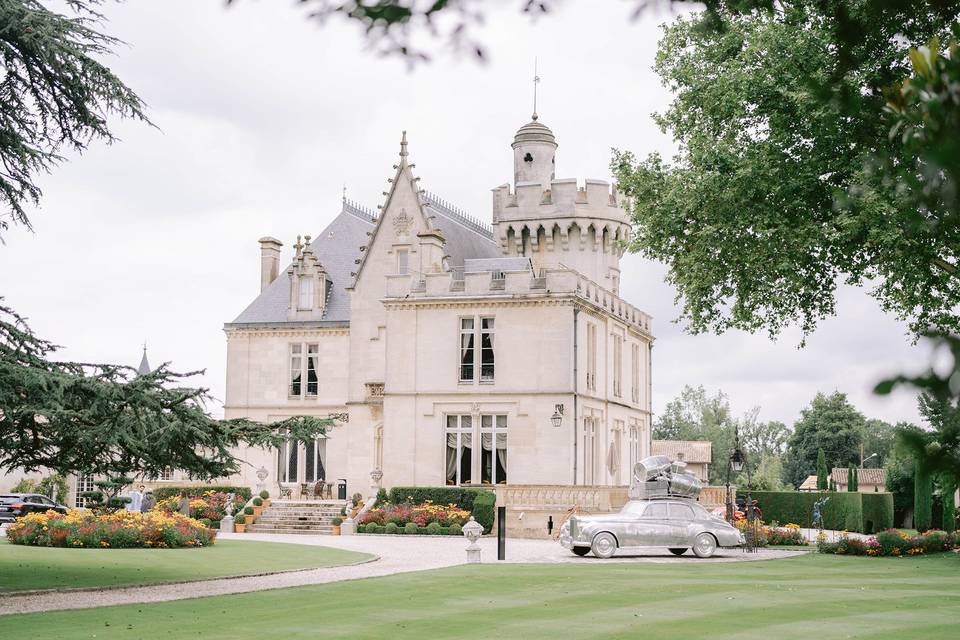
column 344, row 191
column 403, row 145
column 536, row 81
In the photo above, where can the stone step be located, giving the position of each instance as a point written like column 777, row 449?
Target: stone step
column 324, row 521
column 299, row 527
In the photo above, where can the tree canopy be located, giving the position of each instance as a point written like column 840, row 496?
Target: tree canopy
column 830, row 424
column 775, row 196
column 106, row 420
column 55, row 94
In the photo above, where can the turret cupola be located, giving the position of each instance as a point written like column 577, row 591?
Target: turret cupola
column 534, row 152
column 559, row 223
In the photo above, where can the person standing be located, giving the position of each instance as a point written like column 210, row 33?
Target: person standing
column 135, row 497
column 148, row 502
column 184, row 504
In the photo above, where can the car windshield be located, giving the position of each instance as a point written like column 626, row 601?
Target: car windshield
column 634, row 507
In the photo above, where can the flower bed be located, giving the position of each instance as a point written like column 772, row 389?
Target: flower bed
column 208, row 505
column 121, row 530
column 422, row 516
column 893, row 543
column 771, row 535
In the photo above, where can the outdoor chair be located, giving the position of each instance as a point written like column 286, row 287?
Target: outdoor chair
column 318, row 490
column 303, row 490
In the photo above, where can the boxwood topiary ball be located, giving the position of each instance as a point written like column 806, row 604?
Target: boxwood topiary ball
column 434, row 528
column 456, row 530
column 411, row 527
column 391, row 527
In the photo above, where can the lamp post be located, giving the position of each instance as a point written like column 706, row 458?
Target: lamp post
column 735, row 463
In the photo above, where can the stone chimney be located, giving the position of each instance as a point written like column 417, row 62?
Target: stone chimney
column 431, row 251
column 269, row 261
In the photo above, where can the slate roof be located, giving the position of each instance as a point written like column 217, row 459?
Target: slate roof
column 695, row 451
column 864, row 476
column 473, row 265
column 338, row 246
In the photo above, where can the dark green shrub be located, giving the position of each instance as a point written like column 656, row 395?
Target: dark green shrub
column 483, row 509
column 434, row 529
column 822, row 471
column 264, row 494
column 240, row 519
column 380, row 529
column 460, row 496
column 118, row 502
column 456, row 530
column 162, row 493
column 336, row 522
column 411, row 527
column 258, row 501
column 248, row 511
column 843, row 511
column 391, row 527
column 382, row 496
column 922, row 499
column 877, row 511
column 947, row 489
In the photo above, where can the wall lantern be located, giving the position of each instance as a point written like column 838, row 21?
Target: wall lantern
column 557, row 418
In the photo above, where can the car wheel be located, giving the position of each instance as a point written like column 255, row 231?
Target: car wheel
column 678, row 551
column 704, row 545
column 581, row 551
column 604, row 545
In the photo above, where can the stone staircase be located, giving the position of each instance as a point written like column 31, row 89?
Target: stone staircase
column 310, row 517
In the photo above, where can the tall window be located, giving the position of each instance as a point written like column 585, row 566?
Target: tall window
column 589, row 451
column 304, row 369
column 84, row 484
column 299, row 461
column 493, row 451
column 296, row 369
column 486, row 348
column 313, row 352
column 307, row 288
column 403, row 257
column 634, row 445
column 591, row 357
column 459, row 447
column 635, row 373
column 468, row 464
column 472, row 360
column 617, row 365
column 615, row 452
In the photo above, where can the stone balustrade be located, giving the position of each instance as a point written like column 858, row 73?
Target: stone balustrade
column 456, row 283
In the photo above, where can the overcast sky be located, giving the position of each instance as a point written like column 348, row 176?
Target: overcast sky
column 263, row 116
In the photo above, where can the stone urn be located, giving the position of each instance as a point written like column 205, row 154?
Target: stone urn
column 472, row 532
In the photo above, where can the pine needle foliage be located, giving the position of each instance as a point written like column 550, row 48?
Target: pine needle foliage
column 106, row 420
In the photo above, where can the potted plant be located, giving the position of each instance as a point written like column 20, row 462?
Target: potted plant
column 265, row 496
column 257, row 506
column 240, row 523
column 250, row 514
column 336, row 522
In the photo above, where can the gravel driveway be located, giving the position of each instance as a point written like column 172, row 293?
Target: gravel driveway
column 397, row 554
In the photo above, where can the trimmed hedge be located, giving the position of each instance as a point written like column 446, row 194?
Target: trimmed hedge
column 453, row 530
column 479, row 502
column 161, row 493
column 844, row 511
column 877, row 512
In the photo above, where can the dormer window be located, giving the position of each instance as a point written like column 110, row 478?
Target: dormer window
column 403, row 257
column 307, row 293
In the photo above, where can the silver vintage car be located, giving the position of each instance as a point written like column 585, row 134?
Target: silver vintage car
column 676, row 523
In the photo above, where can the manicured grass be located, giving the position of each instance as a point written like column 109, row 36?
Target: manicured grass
column 811, row 596
column 25, row 568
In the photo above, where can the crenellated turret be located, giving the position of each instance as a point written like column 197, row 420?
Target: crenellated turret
column 558, row 222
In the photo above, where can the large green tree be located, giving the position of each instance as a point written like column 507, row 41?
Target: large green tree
column 775, row 196
column 106, row 420
column 830, row 423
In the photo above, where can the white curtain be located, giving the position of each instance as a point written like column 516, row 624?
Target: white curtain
column 613, row 459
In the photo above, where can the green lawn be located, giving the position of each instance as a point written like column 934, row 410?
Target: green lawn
column 24, row 568
column 810, row 597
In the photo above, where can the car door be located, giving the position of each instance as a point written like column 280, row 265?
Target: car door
column 681, row 521
column 654, row 526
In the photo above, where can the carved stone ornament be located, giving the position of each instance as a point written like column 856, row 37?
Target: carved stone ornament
column 402, row 222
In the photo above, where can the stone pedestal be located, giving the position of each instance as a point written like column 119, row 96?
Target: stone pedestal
column 226, row 524
column 348, row 527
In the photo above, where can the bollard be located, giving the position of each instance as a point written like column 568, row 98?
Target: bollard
column 549, row 525
column 501, row 533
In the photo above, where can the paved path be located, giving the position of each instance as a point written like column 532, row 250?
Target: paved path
column 397, row 554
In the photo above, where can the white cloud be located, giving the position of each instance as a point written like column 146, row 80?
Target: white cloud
column 262, row 116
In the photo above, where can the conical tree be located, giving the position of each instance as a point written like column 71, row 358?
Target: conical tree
column 948, row 489
column 856, row 479
column 922, row 499
column 851, row 479
column 821, row 471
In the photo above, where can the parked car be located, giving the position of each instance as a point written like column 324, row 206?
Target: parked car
column 14, row 505
column 674, row 523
